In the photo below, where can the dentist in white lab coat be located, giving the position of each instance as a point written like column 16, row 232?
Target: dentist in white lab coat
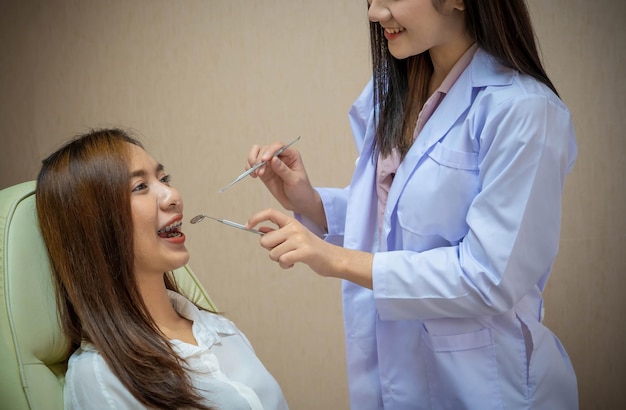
column 447, row 233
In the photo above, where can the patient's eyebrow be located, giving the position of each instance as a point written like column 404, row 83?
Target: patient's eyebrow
column 143, row 173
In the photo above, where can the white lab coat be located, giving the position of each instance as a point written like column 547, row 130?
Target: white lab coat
column 470, row 233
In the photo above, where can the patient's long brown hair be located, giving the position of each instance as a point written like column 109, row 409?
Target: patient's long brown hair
column 83, row 205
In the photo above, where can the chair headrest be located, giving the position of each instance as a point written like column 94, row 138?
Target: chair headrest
column 33, row 343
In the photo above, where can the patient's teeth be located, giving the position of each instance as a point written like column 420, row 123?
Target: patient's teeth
column 170, row 227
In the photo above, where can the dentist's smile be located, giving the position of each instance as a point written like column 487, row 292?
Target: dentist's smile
column 393, row 33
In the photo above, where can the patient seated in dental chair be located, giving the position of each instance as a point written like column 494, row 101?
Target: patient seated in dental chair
column 113, row 228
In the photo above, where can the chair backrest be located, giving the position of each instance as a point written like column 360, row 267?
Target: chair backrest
column 33, row 348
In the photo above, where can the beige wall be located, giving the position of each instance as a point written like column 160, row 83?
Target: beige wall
column 202, row 80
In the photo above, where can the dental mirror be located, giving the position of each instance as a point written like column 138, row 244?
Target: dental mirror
column 201, row 217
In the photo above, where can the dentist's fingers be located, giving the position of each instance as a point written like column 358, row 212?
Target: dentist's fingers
column 293, row 243
column 283, row 243
column 268, row 215
column 251, row 159
column 287, row 175
column 259, row 153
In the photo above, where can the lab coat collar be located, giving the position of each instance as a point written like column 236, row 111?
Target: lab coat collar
column 483, row 71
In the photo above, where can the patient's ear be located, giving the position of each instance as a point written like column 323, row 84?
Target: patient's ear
column 451, row 5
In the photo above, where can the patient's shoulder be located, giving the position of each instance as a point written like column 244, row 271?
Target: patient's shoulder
column 90, row 382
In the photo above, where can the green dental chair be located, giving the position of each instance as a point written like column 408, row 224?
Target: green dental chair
column 32, row 346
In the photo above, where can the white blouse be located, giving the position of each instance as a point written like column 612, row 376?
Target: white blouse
column 226, row 371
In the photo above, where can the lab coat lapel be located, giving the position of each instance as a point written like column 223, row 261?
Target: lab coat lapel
column 453, row 105
column 484, row 70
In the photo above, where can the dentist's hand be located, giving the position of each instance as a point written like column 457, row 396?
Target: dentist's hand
column 287, row 180
column 292, row 242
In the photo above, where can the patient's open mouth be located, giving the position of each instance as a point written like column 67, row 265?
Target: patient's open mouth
column 171, row 231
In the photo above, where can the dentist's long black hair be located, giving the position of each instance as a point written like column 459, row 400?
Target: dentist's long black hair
column 501, row 28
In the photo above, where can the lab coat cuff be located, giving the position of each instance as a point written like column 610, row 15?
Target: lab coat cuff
column 332, row 236
column 318, row 230
column 310, row 225
column 335, row 202
column 388, row 303
column 380, row 286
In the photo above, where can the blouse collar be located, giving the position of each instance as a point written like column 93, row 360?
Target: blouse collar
column 208, row 328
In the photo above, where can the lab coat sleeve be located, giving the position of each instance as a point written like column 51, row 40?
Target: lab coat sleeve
column 335, row 200
column 526, row 148
column 361, row 116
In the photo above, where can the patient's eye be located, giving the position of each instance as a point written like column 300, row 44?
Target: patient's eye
column 165, row 179
column 139, row 187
